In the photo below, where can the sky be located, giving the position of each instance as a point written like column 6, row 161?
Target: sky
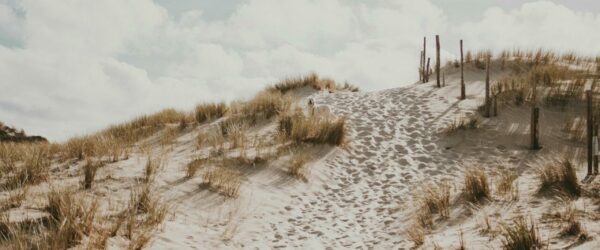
column 73, row 67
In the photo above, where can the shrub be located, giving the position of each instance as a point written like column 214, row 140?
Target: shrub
column 210, row 111
column 476, row 186
column 559, row 176
column 521, row 235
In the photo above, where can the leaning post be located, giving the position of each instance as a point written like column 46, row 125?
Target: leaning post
column 596, row 157
column 535, row 138
column 590, row 122
column 425, row 67
column 437, row 59
column 462, row 73
column 427, row 70
column 421, row 67
column 487, row 87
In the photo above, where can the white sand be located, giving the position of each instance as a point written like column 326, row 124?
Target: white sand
column 359, row 196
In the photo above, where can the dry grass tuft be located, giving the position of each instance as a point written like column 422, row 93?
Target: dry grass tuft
column 436, row 199
column 416, row 234
column 312, row 81
column 571, row 224
column 168, row 136
column 151, row 169
column 210, row 111
column 89, row 173
column 34, row 168
column 463, row 123
column 263, row 106
column 71, row 220
column 505, row 185
column 559, row 176
column 476, row 186
column 521, row 235
column 223, row 181
column 144, row 214
column 317, row 129
column 297, row 166
column 193, row 166
column 15, row 199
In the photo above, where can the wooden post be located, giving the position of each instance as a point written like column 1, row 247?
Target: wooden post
column 590, row 132
column 596, row 158
column 421, row 67
column 462, row 73
column 487, row 87
column 427, row 70
column 425, row 67
column 535, row 115
column 437, row 59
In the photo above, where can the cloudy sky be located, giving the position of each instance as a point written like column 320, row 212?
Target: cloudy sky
column 71, row 67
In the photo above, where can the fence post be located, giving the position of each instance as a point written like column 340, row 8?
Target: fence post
column 462, row 73
column 427, row 70
column 588, row 95
column 487, row 87
column 535, row 115
column 425, row 67
column 437, row 59
column 596, row 158
column 421, row 67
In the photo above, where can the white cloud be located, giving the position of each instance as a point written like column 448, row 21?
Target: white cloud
column 85, row 64
column 534, row 25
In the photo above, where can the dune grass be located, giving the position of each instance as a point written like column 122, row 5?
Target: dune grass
column 436, row 199
column 559, row 176
column 210, row 111
column 193, row 166
column 476, row 186
column 223, row 181
column 296, row 166
column 316, row 129
column 462, row 123
column 520, row 235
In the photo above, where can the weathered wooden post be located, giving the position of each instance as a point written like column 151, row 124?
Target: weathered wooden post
column 535, row 140
column 462, row 73
column 487, row 87
column 590, row 124
column 437, row 59
column 421, row 67
column 596, row 157
column 427, row 70
column 425, row 67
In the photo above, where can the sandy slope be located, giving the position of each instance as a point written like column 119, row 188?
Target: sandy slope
column 359, row 196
